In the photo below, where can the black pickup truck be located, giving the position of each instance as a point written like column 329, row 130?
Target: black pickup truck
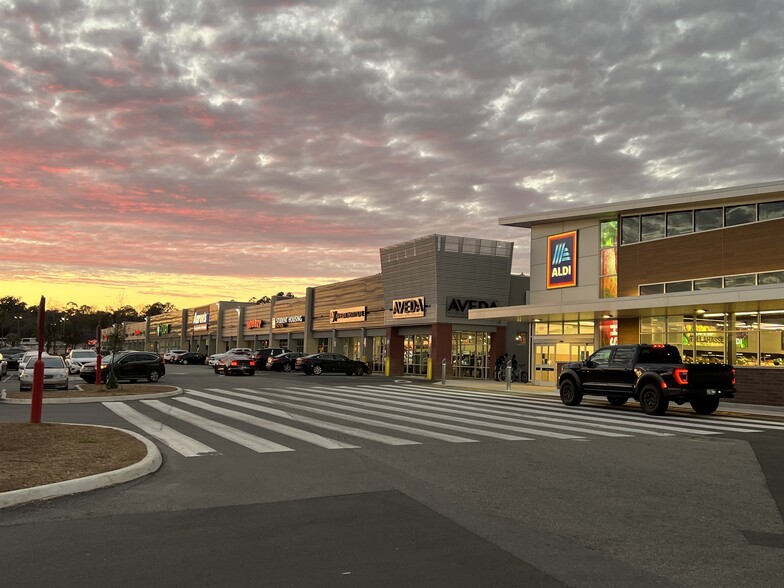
column 652, row 374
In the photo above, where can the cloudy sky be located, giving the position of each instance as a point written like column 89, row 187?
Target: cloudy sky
column 195, row 150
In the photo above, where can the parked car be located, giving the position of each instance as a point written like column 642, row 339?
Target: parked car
column 26, row 358
column 261, row 356
column 190, row 358
column 231, row 364
column 285, row 362
column 319, row 363
column 77, row 357
column 127, row 365
column 55, row 373
column 12, row 355
column 213, row 359
column 171, row 354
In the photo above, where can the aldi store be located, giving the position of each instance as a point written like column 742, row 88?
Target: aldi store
column 702, row 271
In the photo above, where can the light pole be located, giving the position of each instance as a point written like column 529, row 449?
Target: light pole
column 18, row 328
column 64, row 319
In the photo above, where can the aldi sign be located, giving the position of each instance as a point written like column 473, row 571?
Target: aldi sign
column 562, row 260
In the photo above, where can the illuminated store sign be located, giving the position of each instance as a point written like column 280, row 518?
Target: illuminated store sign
column 461, row 306
column 285, row 321
column 562, row 260
column 163, row 329
column 201, row 321
column 348, row 315
column 408, row 307
column 254, row 324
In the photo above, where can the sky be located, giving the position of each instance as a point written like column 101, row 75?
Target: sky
column 190, row 151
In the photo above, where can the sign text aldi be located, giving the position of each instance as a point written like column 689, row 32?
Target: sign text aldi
column 562, row 260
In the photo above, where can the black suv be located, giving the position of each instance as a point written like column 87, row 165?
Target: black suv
column 127, row 365
column 260, row 356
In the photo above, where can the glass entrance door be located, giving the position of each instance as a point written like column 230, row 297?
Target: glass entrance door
column 544, row 365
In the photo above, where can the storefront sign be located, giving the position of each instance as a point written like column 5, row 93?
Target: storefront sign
column 285, row 321
column 201, row 321
column 608, row 332
column 254, row 324
column 163, row 329
column 348, row 315
column 461, row 306
column 562, row 260
column 408, row 308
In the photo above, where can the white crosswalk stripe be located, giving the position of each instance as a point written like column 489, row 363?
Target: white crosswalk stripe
column 362, row 412
column 237, row 436
column 182, row 444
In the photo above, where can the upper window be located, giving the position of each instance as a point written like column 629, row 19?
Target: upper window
column 770, row 210
column 652, row 289
column 739, row 281
column 680, row 223
column 652, row 226
column 630, row 230
column 708, row 218
column 739, row 215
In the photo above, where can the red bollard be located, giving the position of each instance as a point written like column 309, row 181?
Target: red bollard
column 37, row 400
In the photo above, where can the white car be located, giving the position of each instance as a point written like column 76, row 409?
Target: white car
column 171, row 354
column 25, row 359
column 213, row 359
column 78, row 357
column 55, row 373
column 239, row 351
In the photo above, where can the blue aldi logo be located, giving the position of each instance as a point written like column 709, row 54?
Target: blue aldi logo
column 562, row 260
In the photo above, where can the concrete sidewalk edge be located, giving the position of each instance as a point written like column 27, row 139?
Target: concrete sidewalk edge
column 86, row 400
column 149, row 464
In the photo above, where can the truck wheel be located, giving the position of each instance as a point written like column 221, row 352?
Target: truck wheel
column 570, row 395
column 705, row 405
column 652, row 400
column 617, row 400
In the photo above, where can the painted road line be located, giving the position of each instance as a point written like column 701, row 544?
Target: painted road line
column 351, row 431
column 696, row 426
column 367, row 409
column 365, row 421
column 180, row 443
column 491, row 415
column 235, row 435
column 279, row 428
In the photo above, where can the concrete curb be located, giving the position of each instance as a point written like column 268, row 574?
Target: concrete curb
column 149, row 464
column 82, row 400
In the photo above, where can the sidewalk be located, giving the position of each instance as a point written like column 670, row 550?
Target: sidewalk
column 546, row 391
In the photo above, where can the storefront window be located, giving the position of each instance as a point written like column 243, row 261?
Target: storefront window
column 379, row 353
column 416, row 352
column 608, row 272
column 323, row 344
column 470, row 354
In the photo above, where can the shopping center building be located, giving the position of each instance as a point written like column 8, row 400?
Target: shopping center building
column 702, row 271
column 410, row 319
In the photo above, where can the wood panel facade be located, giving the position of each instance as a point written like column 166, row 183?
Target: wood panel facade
column 365, row 292
column 743, row 249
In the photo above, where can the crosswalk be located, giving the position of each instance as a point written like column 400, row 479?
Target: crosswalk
column 273, row 420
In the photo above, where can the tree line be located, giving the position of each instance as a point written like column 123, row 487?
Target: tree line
column 75, row 324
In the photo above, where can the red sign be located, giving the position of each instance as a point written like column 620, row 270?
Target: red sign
column 608, row 331
column 254, row 324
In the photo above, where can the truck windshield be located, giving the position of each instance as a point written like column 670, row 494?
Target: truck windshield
column 659, row 355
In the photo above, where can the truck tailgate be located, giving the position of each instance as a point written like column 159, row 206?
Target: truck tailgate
column 706, row 375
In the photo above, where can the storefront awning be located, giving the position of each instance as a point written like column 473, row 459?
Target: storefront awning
column 727, row 300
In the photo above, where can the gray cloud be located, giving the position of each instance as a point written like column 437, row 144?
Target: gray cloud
column 327, row 126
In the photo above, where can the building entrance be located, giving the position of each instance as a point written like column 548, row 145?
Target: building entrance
column 547, row 356
column 416, row 352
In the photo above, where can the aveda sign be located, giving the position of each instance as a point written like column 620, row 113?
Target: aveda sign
column 408, row 308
